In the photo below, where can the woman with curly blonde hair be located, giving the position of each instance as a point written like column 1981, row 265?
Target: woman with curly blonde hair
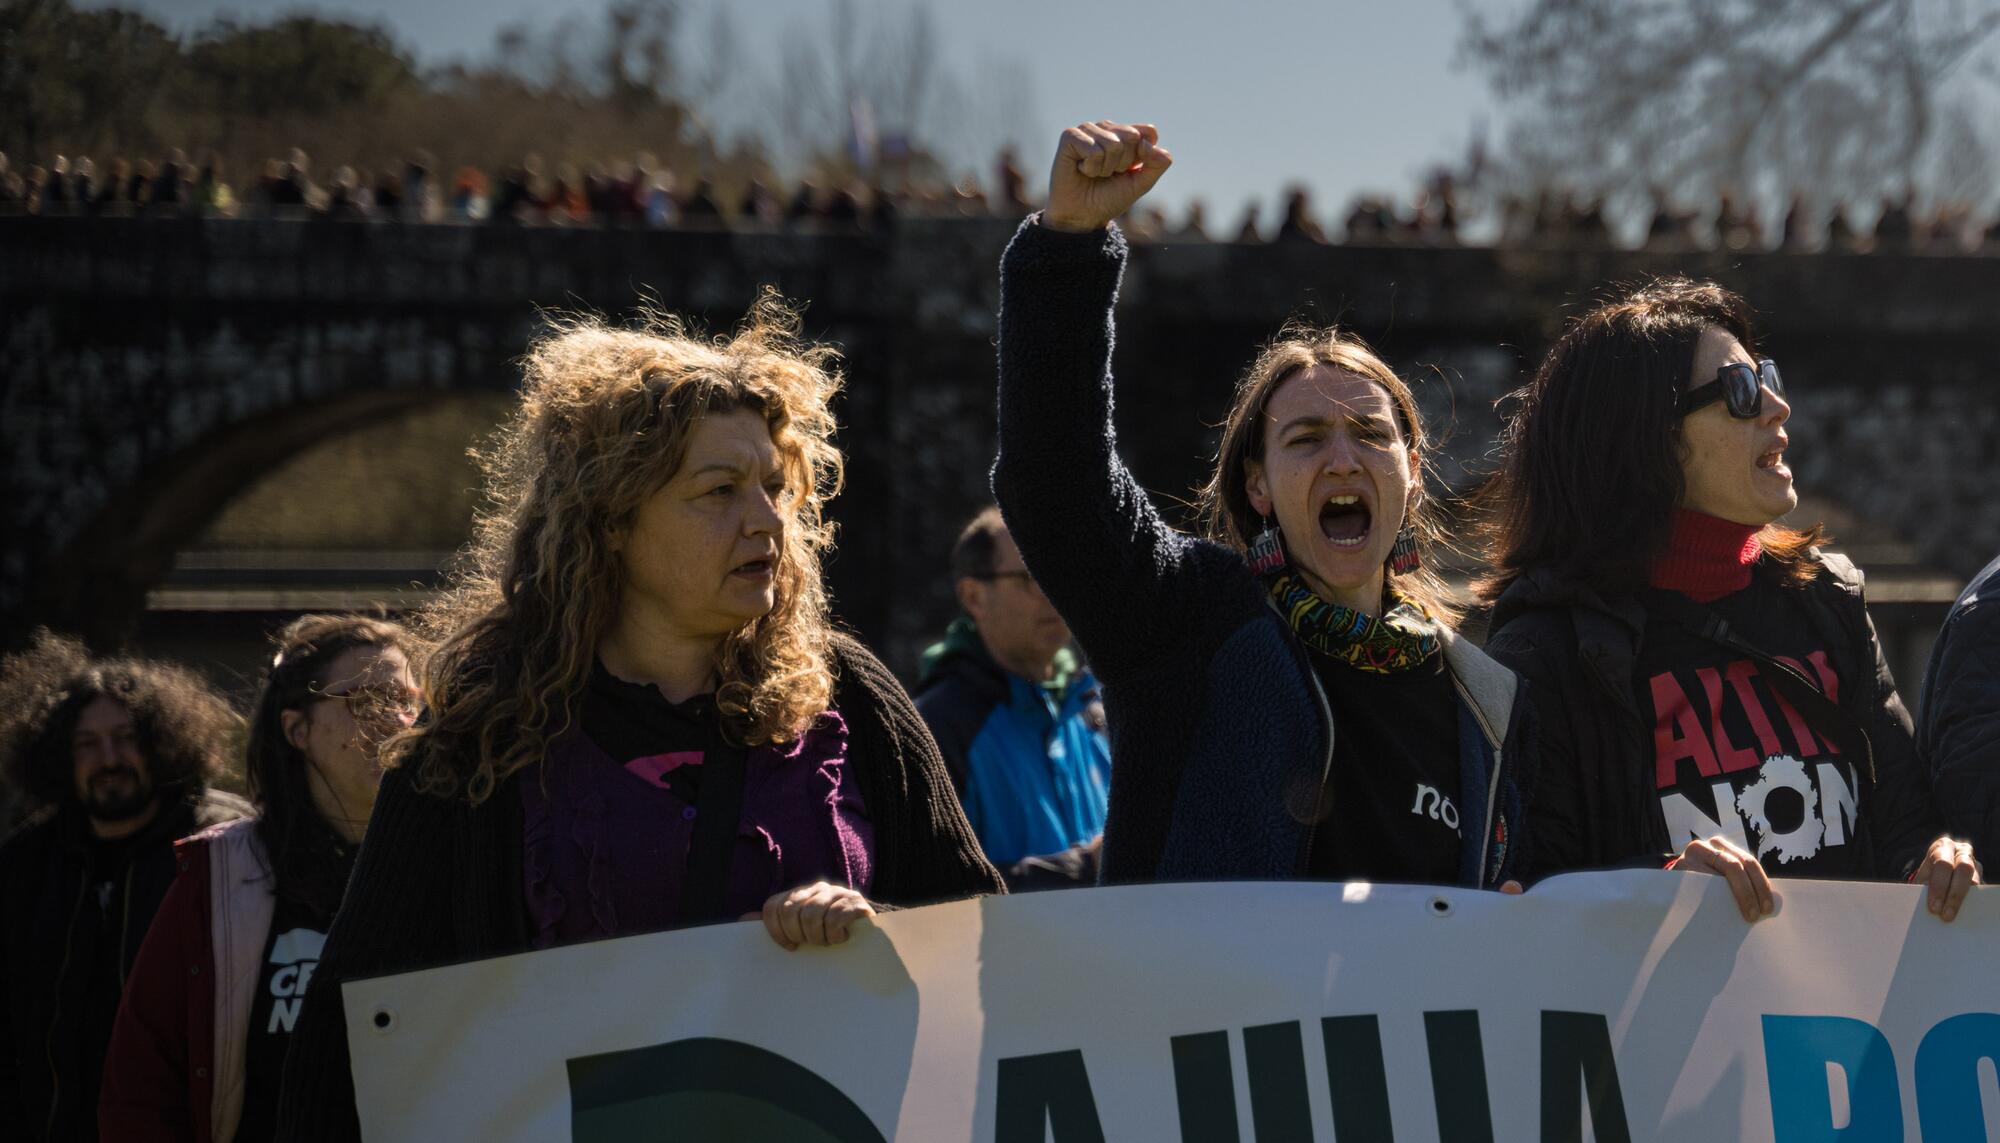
column 638, row 713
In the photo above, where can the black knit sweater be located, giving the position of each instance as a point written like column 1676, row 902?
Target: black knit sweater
column 440, row 881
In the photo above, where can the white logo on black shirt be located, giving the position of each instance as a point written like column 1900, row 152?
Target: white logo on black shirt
column 1434, row 805
column 1824, row 792
column 297, row 951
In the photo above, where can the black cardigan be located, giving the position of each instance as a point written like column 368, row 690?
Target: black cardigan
column 439, row 880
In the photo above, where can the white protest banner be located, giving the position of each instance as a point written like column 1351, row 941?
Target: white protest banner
column 1611, row 1006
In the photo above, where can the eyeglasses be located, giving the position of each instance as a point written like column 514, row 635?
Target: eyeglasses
column 1740, row 385
column 377, row 703
column 1019, row 573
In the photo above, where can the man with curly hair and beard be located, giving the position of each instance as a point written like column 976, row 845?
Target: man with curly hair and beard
column 110, row 761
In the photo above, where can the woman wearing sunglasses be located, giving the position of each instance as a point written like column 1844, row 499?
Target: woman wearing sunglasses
column 207, row 1015
column 1714, row 694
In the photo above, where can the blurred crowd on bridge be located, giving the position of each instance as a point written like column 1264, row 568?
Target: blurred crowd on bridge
column 641, row 192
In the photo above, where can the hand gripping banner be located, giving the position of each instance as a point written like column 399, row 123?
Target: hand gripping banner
column 1632, row 1006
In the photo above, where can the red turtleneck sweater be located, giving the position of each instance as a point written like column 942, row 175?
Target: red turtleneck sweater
column 1707, row 558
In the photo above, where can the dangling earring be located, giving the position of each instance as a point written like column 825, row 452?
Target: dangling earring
column 1403, row 555
column 1267, row 551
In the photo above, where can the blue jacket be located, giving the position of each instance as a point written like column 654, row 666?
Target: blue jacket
column 1222, row 738
column 1031, row 763
column 1959, row 737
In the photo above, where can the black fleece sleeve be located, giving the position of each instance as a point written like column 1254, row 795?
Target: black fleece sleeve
column 1086, row 529
column 1960, row 737
column 954, row 720
column 937, row 857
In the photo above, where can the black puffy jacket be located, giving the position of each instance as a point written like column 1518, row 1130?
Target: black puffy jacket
column 1960, row 735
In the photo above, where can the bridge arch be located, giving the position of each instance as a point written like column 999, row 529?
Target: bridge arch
column 127, row 544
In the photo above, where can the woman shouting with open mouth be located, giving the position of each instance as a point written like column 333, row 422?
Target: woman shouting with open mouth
column 1286, row 695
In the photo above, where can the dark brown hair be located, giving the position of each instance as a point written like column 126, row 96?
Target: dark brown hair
column 185, row 727
column 977, row 551
column 301, row 846
column 1590, row 468
column 1223, row 505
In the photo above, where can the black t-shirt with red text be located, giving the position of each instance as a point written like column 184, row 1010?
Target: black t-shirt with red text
column 1731, row 756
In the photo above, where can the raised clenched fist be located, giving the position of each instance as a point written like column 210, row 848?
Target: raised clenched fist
column 1101, row 169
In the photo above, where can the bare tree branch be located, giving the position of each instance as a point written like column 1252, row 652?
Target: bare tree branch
column 1698, row 96
column 1778, row 87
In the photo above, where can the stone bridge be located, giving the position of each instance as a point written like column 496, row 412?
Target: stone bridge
column 151, row 369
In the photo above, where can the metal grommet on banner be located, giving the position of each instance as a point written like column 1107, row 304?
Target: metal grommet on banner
column 382, row 1019
column 1439, row 906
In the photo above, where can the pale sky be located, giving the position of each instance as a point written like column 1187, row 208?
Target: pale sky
column 1343, row 95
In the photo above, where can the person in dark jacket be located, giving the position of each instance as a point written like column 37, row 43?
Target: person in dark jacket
column 209, row 1009
column 1018, row 720
column 1959, row 738
column 638, row 713
column 112, row 758
column 1713, row 693
column 1307, row 711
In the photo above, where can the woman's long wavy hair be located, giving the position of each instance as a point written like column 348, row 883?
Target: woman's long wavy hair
column 1223, row 504
column 302, row 849
column 1590, row 457
column 604, row 421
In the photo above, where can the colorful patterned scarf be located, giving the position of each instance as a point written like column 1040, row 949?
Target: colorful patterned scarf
column 1402, row 640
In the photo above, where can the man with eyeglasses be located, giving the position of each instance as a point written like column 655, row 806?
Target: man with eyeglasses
column 1017, row 718
column 112, row 759
column 1714, row 698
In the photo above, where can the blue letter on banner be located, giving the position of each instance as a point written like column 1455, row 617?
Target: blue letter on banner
column 1796, row 1052
column 1948, row 1077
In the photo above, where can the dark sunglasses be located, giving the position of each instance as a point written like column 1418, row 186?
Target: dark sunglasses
column 1741, row 386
